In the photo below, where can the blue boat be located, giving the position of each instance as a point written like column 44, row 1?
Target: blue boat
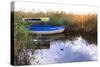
column 45, row 29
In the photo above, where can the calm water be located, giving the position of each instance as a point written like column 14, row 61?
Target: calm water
column 61, row 48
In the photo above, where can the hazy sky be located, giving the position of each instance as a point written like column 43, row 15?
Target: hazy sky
column 44, row 7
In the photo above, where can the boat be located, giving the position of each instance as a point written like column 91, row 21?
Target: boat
column 45, row 29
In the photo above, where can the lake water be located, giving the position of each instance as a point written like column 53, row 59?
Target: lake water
column 61, row 48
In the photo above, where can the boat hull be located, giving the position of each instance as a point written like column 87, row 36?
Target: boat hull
column 45, row 29
column 47, row 32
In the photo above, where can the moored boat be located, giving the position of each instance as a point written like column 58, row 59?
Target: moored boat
column 45, row 29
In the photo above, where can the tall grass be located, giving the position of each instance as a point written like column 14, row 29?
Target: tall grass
column 84, row 23
column 72, row 22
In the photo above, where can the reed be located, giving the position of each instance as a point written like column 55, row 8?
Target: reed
column 72, row 22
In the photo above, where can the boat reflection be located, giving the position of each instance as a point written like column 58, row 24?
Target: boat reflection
column 43, row 41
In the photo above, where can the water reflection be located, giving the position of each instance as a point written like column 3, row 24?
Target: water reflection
column 58, row 48
column 63, row 49
column 43, row 41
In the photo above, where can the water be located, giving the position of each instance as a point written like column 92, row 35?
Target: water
column 61, row 48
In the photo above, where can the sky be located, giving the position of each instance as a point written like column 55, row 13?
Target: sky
column 44, row 7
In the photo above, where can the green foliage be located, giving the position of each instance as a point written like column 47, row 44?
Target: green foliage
column 71, row 22
column 20, row 37
column 20, row 33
